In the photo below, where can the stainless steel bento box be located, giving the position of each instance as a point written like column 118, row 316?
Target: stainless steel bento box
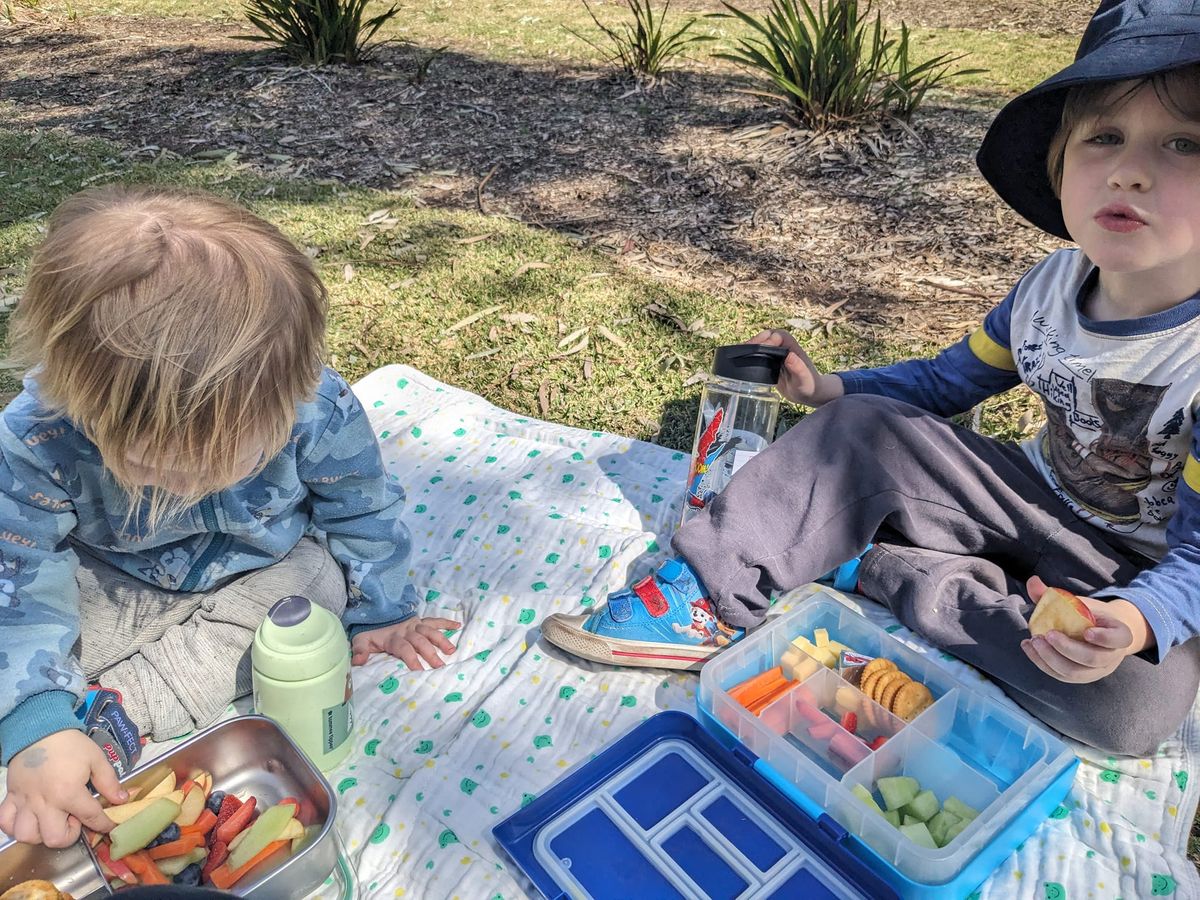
column 246, row 755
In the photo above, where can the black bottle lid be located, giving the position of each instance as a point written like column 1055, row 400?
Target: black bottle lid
column 749, row 362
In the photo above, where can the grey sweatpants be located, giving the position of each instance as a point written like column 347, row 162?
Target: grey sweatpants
column 180, row 658
column 959, row 522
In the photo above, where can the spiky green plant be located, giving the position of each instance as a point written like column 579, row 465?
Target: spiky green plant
column 316, row 32
column 644, row 46
column 833, row 64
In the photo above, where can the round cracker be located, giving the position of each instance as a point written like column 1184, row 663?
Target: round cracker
column 911, row 700
column 872, row 682
column 868, row 681
column 878, row 664
column 893, row 688
column 888, row 678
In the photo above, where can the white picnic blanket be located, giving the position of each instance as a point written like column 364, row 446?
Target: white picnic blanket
column 515, row 518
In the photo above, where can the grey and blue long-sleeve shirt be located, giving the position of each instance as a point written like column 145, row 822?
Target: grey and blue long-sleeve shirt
column 1121, row 446
column 55, row 490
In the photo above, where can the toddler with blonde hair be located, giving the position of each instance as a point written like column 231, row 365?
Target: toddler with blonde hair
column 178, row 461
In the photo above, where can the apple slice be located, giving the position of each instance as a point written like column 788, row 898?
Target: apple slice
column 162, row 787
column 204, row 779
column 291, row 831
column 266, row 829
column 192, row 806
column 127, row 811
column 310, row 834
column 173, row 865
column 1060, row 610
column 135, row 833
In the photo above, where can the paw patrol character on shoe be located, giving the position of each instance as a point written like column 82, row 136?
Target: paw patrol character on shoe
column 664, row 621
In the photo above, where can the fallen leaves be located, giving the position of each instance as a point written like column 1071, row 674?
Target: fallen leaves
column 472, row 319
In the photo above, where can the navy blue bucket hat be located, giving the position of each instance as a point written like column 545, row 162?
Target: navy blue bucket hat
column 1126, row 39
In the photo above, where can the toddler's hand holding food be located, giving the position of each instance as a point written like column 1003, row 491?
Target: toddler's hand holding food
column 800, row 381
column 412, row 640
column 1078, row 639
column 48, row 796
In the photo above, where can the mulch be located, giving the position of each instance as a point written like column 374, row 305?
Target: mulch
column 891, row 230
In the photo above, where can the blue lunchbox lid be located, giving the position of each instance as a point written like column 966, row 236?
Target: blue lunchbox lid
column 666, row 811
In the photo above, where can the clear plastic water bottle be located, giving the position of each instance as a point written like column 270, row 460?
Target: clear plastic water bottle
column 739, row 410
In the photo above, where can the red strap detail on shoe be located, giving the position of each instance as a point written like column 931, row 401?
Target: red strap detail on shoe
column 651, row 596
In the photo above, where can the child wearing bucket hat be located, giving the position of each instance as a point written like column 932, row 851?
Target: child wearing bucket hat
column 966, row 532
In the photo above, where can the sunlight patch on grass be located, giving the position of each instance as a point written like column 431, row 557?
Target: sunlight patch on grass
column 540, row 30
column 404, row 296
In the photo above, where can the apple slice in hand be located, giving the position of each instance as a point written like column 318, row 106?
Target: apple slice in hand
column 1060, row 610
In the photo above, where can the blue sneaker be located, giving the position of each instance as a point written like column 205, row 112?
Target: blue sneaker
column 106, row 722
column 845, row 576
column 664, row 621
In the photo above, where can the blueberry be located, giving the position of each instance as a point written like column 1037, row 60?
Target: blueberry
column 166, row 836
column 190, row 875
column 214, row 801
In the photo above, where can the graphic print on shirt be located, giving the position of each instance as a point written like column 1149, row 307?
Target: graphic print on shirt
column 1105, row 476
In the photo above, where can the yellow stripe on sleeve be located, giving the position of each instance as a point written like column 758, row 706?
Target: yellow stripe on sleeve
column 995, row 355
column 1191, row 473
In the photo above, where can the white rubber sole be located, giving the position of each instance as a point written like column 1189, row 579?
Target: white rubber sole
column 568, row 633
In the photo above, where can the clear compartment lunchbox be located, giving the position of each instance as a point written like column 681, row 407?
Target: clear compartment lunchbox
column 761, row 806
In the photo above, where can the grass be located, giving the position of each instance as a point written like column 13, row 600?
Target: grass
column 531, row 30
column 404, row 296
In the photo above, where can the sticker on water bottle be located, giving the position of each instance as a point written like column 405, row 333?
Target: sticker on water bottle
column 337, row 721
column 702, row 486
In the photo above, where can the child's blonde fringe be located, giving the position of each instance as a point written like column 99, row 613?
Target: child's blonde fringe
column 175, row 327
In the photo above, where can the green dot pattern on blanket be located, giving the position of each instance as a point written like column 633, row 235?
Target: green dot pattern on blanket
column 557, row 530
column 1161, row 885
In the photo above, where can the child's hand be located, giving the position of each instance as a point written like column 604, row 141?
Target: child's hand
column 1120, row 631
column 799, row 380
column 47, row 790
column 411, row 641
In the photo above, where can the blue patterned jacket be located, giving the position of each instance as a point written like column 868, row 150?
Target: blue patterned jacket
column 55, row 494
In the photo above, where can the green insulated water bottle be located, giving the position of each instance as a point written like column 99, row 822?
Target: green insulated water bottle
column 301, row 673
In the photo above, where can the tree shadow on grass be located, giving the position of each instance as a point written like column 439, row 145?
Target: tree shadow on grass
column 658, row 177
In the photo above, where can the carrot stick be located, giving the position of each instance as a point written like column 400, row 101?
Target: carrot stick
column 176, row 848
column 202, row 825
column 754, row 684
column 223, row 879
column 145, row 869
column 766, row 701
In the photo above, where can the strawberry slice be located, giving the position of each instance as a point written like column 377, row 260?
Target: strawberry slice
column 229, row 806
column 878, row 742
column 850, row 722
column 217, row 854
column 243, row 816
